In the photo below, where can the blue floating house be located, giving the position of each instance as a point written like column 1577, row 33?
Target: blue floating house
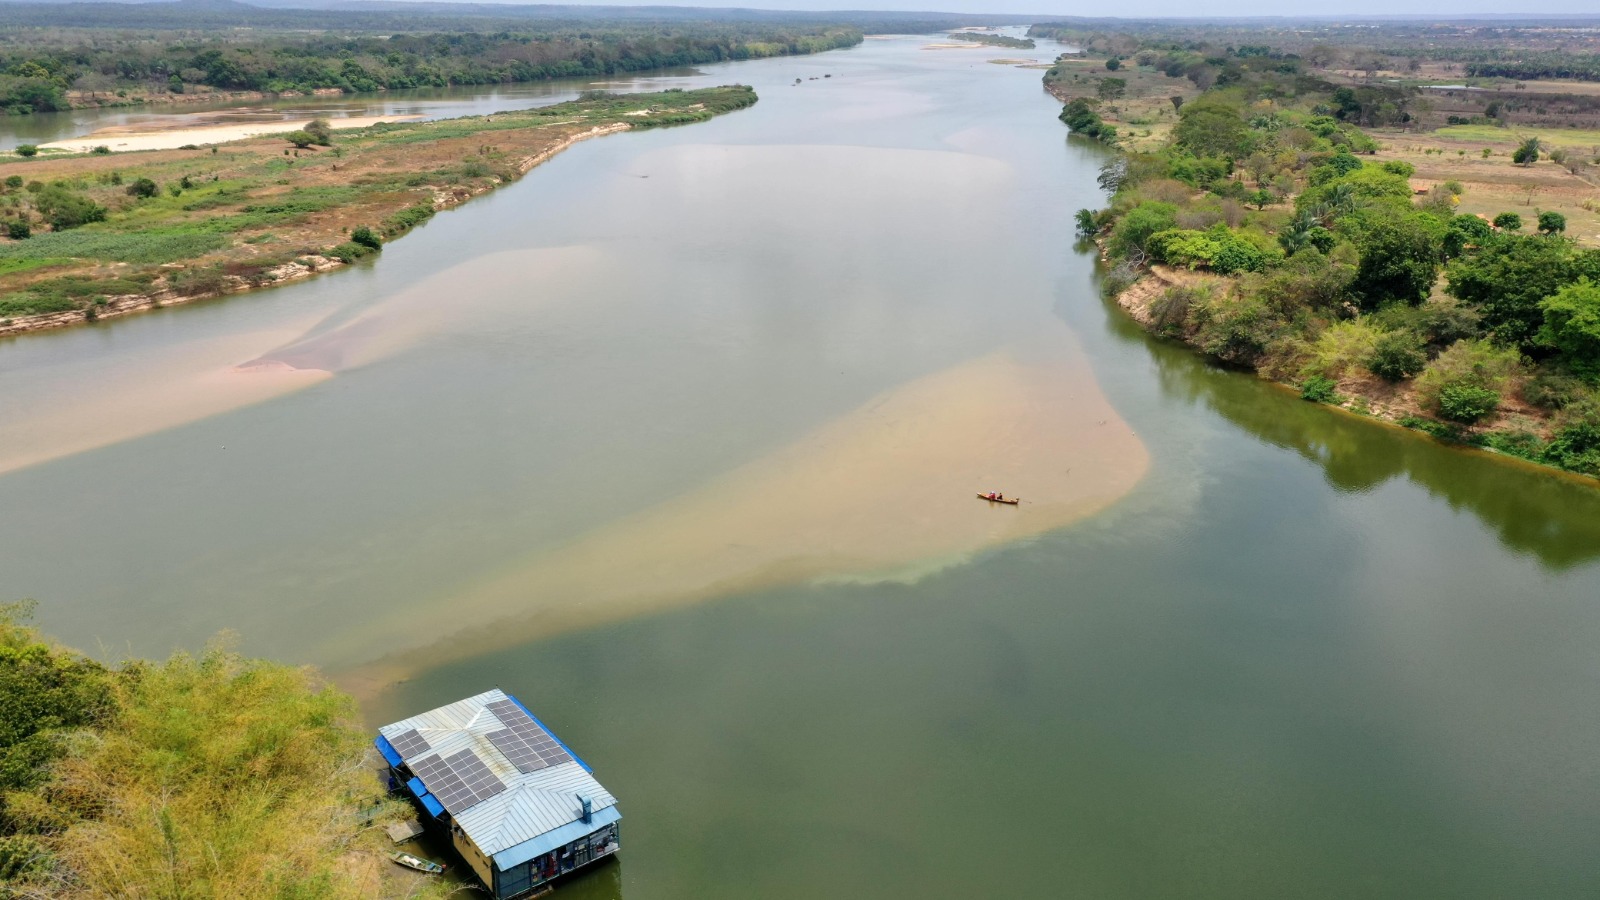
column 519, row 806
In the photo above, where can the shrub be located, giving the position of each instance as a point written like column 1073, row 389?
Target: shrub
column 1133, row 230
column 1234, row 326
column 1527, row 153
column 1576, row 448
column 1341, row 347
column 1319, row 390
column 13, row 182
column 1508, row 221
column 143, row 188
column 321, row 132
column 198, row 282
column 1552, row 223
column 300, row 139
column 1475, row 363
column 1554, row 390
column 64, row 209
column 1466, row 401
column 1397, row 356
column 18, row 230
column 366, row 237
column 27, row 150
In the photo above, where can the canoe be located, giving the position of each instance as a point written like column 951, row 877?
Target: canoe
column 415, row 862
column 1008, row 501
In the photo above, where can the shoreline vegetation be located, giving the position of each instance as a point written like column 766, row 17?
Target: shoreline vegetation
column 136, row 231
column 208, row 775
column 1283, row 217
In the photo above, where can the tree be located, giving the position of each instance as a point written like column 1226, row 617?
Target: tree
column 1527, row 154
column 1508, row 221
column 26, row 150
column 320, row 131
column 1110, row 89
column 1572, row 326
column 366, row 237
column 1397, row 356
column 1113, row 64
column 1400, row 258
column 18, row 230
column 1465, row 402
column 1177, row 103
column 1213, row 129
column 65, row 209
column 300, row 139
column 1552, row 223
column 1508, row 277
column 143, row 188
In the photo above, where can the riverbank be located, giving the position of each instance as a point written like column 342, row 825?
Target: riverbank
column 177, row 225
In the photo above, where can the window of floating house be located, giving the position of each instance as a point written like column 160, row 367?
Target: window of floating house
column 518, row 878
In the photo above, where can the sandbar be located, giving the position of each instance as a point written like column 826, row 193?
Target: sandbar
column 888, row 490
column 121, row 140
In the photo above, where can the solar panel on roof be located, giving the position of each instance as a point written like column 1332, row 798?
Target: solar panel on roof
column 460, row 781
column 528, row 747
column 409, row 744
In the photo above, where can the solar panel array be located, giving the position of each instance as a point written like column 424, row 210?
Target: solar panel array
column 460, row 781
column 529, row 747
column 410, row 744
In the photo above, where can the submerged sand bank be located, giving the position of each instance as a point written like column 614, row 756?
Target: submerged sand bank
column 888, row 486
column 122, row 139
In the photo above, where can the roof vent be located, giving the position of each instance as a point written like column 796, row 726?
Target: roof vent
column 588, row 808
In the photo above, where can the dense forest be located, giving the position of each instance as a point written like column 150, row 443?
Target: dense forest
column 38, row 78
column 1286, row 249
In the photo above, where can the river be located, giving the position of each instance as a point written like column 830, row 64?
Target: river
column 677, row 439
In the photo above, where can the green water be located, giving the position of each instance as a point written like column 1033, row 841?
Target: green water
column 1307, row 656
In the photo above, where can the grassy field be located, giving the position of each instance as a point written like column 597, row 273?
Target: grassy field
column 252, row 212
column 1494, row 184
column 1144, row 116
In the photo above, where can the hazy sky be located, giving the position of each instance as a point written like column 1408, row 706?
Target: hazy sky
column 1131, row 8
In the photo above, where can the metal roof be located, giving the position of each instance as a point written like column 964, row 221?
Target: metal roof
column 532, row 804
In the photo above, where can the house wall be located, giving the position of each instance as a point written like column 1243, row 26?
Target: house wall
column 469, row 852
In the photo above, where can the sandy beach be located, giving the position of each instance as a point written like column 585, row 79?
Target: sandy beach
column 123, row 140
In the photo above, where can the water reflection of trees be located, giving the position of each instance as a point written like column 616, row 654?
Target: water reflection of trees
column 1552, row 516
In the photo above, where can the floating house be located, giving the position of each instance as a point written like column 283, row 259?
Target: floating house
column 518, row 805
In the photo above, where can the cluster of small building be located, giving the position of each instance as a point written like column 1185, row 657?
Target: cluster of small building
column 518, row 806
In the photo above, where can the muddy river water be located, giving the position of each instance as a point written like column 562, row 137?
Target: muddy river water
column 678, row 440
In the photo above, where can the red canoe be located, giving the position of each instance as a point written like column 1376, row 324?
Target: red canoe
column 1008, row 501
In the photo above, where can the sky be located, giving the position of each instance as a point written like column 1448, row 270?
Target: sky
column 1442, row 9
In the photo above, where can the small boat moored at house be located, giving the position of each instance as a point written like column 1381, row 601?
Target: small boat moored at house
column 999, row 498
column 416, row 862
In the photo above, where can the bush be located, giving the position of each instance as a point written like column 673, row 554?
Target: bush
column 64, row 209
column 1133, row 230
column 1572, row 326
column 101, row 150
column 321, row 132
column 300, row 139
column 18, row 230
column 1319, row 390
column 1397, row 356
column 13, row 182
column 27, row 150
column 1576, row 448
column 198, row 282
column 1466, row 401
column 366, row 237
column 143, row 188
column 1343, row 346
column 1508, row 221
column 1475, row 363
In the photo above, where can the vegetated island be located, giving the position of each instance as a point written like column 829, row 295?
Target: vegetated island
column 1393, row 273
column 993, row 40
column 128, row 232
column 198, row 776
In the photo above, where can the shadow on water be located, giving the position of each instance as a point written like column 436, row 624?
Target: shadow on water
column 1543, row 513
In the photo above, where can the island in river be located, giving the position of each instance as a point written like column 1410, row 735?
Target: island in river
column 131, row 233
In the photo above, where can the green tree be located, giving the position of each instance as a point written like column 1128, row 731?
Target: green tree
column 1552, row 223
column 1400, row 259
column 1508, row 277
column 64, row 209
column 365, row 236
column 1132, row 232
column 1572, row 326
column 1527, row 153
column 300, row 139
column 1113, row 64
column 1463, row 401
column 320, row 131
column 1397, row 356
column 1508, row 221
column 18, row 230
column 26, row 150
column 143, row 188
column 1213, row 129
column 1111, row 89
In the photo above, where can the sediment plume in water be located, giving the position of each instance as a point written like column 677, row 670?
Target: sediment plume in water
column 889, row 485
